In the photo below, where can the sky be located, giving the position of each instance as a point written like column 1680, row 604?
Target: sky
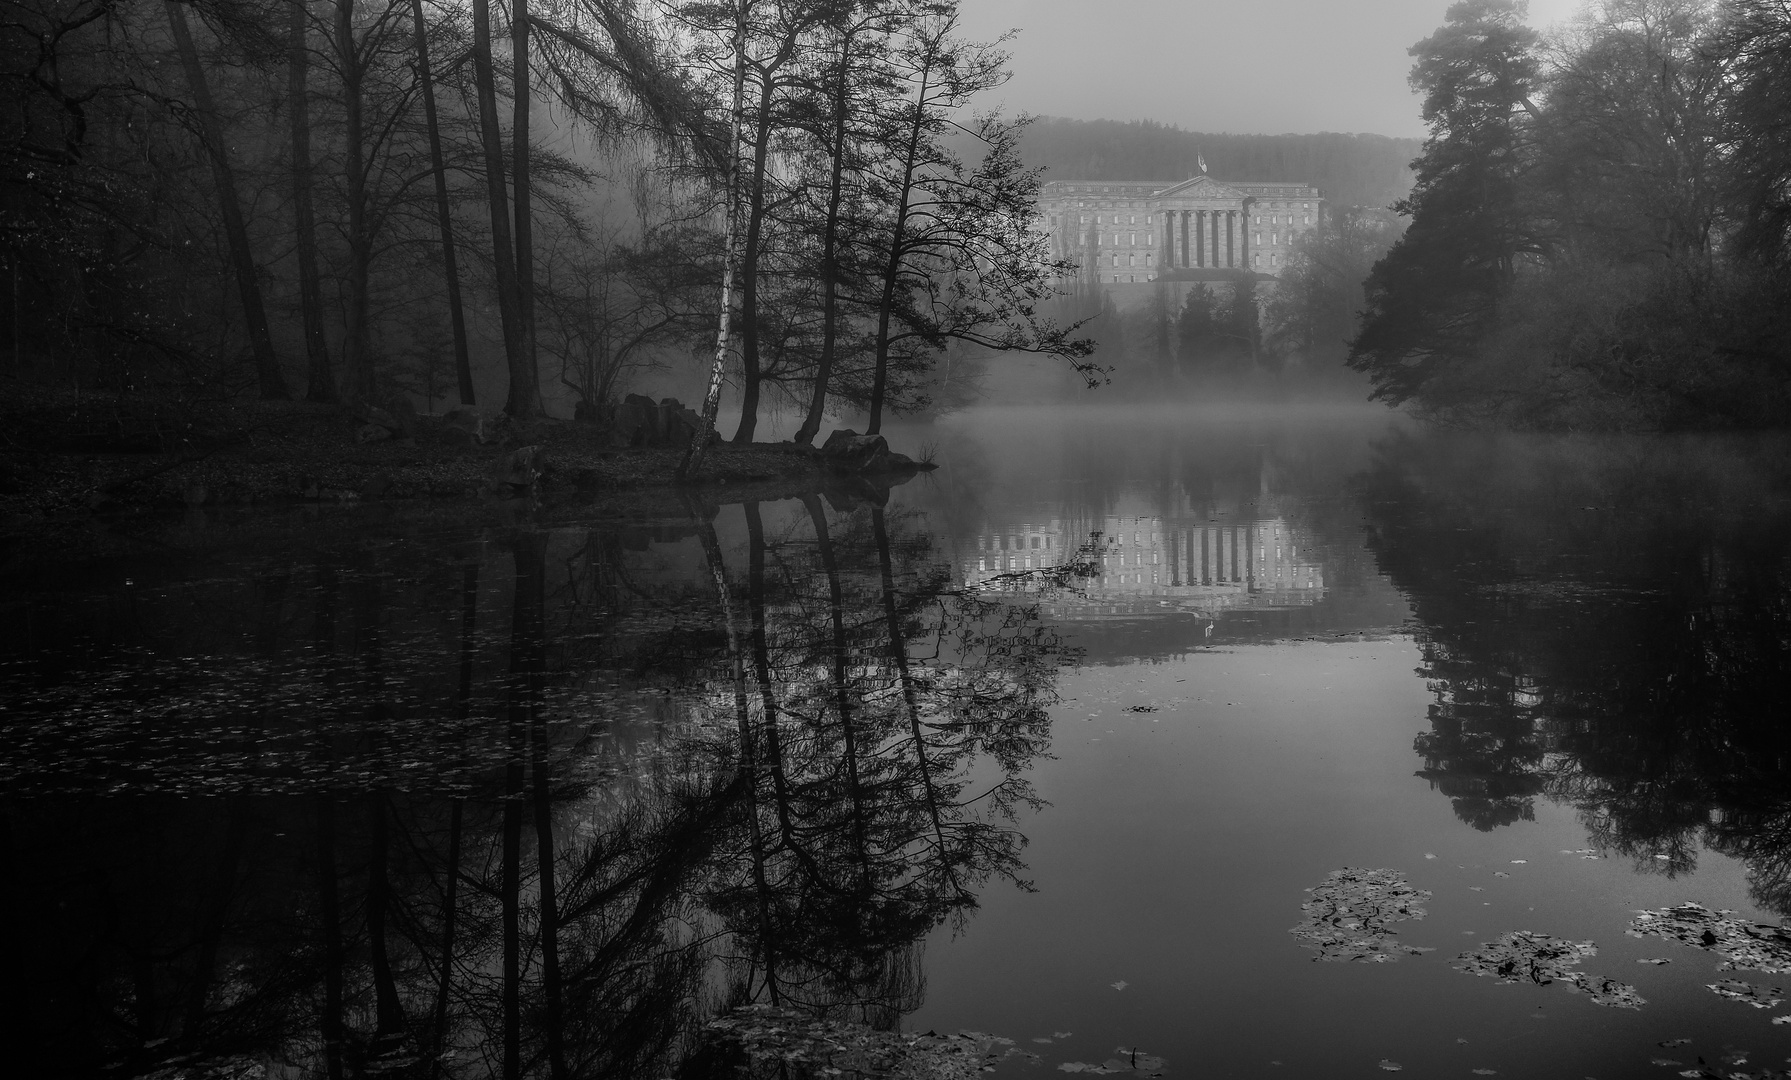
column 1258, row 66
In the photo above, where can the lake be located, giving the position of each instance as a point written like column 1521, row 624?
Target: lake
column 1201, row 743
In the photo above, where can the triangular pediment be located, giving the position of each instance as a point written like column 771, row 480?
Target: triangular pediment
column 1199, row 187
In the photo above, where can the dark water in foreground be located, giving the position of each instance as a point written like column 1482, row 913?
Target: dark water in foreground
column 1050, row 744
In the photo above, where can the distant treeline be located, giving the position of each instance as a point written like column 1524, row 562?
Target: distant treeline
column 1351, row 170
column 1600, row 232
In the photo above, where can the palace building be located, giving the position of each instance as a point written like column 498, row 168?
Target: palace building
column 1131, row 231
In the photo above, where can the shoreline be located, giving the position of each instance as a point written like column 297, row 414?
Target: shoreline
column 241, row 455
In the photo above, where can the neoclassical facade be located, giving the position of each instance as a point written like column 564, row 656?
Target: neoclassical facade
column 1127, row 231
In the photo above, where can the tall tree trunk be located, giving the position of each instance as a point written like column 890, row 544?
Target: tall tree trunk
column 842, row 691
column 552, row 988
column 491, row 141
column 320, row 382
column 469, row 613
column 749, row 269
column 357, row 358
column 329, row 912
column 892, row 270
column 211, row 931
column 388, row 1010
column 525, row 378
column 444, row 219
column 526, row 660
column 761, row 661
column 749, row 762
column 811, row 424
column 699, row 443
column 898, row 652
column 268, row 380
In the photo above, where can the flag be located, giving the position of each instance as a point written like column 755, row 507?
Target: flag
column 1201, row 158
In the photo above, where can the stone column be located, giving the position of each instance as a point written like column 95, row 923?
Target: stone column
column 1183, row 217
column 1244, row 241
column 1231, row 231
column 1215, row 238
column 1200, row 238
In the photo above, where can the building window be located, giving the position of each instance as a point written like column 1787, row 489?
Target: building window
column 1132, row 239
column 1084, row 219
column 1305, row 219
column 1272, row 260
column 1147, row 258
column 1259, row 239
column 1131, row 260
column 1150, row 219
column 1258, row 258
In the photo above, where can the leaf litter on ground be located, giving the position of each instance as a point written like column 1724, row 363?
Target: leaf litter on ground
column 1350, row 915
column 1523, row 956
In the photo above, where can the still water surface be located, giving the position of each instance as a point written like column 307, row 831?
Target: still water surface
column 1050, row 743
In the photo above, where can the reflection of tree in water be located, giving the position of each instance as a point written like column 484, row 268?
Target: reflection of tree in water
column 1604, row 625
column 565, row 886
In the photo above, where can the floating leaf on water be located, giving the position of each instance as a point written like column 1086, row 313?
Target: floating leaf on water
column 1060, row 1034
column 1120, row 985
column 1786, row 1019
column 1500, row 873
column 1760, row 997
column 1476, row 888
column 771, row 1036
column 1428, row 855
column 1670, row 1043
column 1667, row 1061
column 1391, row 1066
column 1351, row 912
column 1484, row 1072
column 1744, row 945
column 1141, row 708
column 1520, row 862
column 1654, row 960
column 1523, row 956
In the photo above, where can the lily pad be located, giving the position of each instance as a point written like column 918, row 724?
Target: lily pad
column 1350, row 916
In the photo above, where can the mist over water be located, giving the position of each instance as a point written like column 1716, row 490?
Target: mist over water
column 1052, row 743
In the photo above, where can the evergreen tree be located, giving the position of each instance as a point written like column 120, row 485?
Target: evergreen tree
column 1437, row 293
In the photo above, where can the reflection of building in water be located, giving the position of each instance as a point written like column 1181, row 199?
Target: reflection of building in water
column 1149, row 564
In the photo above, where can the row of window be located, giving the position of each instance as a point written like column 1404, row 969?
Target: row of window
column 1150, row 259
column 1150, row 219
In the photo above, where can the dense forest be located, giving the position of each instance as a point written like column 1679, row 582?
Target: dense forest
column 1351, row 170
column 370, row 200
column 1600, row 231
